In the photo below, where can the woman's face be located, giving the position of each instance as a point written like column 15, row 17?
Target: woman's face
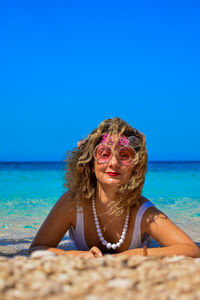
column 113, row 172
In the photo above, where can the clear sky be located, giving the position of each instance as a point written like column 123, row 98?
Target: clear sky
column 67, row 65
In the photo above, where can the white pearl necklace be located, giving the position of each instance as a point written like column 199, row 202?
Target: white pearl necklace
column 100, row 235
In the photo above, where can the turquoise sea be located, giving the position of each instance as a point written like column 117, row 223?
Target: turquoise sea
column 29, row 190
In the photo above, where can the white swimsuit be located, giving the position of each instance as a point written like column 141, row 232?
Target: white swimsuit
column 77, row 235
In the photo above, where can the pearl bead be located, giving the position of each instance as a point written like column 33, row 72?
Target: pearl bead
column 123, row 236
column 118, row 244
column 101, row 238
column 108, row 245
column 114, row 246
column 121, row 241
column 104, row 242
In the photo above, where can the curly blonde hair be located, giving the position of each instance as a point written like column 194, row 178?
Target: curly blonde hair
column 80, row 178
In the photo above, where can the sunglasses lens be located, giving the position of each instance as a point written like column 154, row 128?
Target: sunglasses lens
column 102, row 154
column 126, row 155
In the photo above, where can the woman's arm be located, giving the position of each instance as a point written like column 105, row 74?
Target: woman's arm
column 62, row 215
column 164, row 231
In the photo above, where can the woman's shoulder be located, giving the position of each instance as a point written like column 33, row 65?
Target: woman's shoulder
column 151, row 214
column 66, row 203
column 151, row 207
column 143, row 200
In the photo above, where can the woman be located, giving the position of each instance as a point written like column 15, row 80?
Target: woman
column 103, row 208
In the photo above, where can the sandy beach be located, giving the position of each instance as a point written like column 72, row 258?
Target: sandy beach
column 45, row 275
column 14, row 245
column 48, row 276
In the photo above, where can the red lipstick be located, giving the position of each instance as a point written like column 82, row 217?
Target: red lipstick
column 113, row 174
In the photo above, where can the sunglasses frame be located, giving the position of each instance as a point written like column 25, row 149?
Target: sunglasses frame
column 108, row 146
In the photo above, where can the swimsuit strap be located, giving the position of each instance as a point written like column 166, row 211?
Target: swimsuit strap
column 79, row 230
column 136, row 236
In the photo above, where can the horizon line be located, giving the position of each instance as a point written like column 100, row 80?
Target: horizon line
column 60, row 161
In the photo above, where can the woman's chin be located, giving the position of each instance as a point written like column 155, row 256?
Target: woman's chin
column 115, row 182
column 109, row 181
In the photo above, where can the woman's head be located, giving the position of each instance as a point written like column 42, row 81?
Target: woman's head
column 114, row 159
column 125, row 150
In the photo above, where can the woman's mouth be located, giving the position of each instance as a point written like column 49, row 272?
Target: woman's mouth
column 112, row 173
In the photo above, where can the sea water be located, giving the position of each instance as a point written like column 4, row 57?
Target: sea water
column 28, row 191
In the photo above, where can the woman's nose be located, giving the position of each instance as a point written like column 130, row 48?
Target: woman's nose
column 114, row 161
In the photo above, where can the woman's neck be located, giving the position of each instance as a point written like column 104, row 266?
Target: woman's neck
column 104, row 195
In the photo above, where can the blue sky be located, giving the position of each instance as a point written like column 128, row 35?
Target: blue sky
column 67, row 65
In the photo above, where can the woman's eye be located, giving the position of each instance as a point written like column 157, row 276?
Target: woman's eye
column 124, row 155
column 105, row 154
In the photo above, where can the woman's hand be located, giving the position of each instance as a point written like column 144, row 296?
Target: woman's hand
column 94, row 252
